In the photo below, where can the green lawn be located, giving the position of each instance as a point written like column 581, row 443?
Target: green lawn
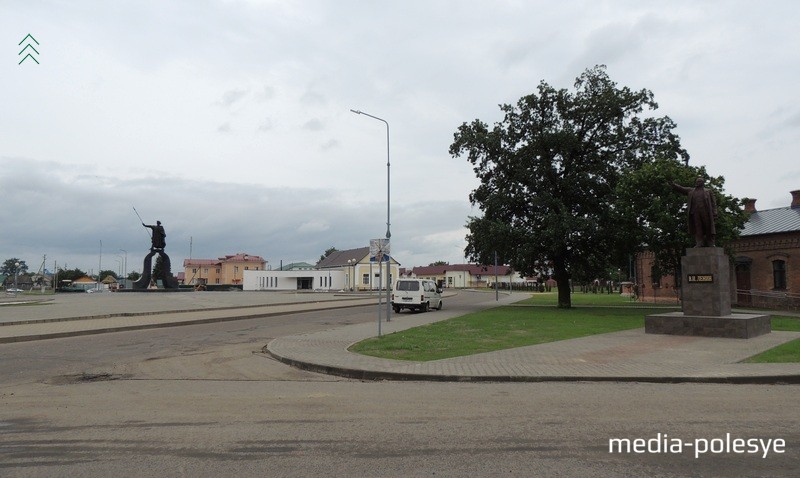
column 501, row 328
column 534, row 321
column 786, row 353
column 599, row 299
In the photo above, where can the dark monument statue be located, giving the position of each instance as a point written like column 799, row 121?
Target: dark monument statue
column 705, row 279
column 159, row 236
column 702, row 212
column 157, row 247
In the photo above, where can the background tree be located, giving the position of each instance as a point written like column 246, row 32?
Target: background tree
column 439, row 263
column 549, row 173
column 653, row 217
column 158, row 267
column 69, row 275
column 134, row 276
column 106, row 273
column 328, row 252
column 10, row 268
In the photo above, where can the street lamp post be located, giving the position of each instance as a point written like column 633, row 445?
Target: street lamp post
column 351, row 265
column 349, row 275
column 125, row 266
column 16, row 276
column 388, row 209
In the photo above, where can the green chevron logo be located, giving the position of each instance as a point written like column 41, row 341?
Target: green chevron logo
column 32, row 51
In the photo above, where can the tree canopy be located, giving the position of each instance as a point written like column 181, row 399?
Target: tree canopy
column 9, row 266
column 106, row 273
column 654, row 217
column 70, row 274
column 327, row 252
column 549, row 173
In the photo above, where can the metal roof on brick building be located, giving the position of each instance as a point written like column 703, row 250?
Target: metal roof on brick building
column 772, row 221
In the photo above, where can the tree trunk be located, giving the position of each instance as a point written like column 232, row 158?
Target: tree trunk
column 562, row 282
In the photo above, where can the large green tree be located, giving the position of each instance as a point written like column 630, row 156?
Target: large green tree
column 549, row 172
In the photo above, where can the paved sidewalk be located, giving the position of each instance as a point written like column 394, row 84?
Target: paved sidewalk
column 629, row 355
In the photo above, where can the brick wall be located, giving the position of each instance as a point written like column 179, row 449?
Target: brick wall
column 761, row 251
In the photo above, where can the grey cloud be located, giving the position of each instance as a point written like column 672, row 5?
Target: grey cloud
column 267, row 93
column 312, row 97
column 314, row 124
column 330, row 144
column 266, row 125
column 232, row 96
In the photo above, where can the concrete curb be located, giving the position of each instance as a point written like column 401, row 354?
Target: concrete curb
column 371, row 375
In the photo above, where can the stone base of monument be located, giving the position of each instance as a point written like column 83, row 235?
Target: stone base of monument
column 733, row 326
column 706, row 301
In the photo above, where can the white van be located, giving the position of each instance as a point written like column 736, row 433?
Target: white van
column 416, row 294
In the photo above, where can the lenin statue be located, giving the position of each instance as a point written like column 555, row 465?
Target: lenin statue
column 702, row 211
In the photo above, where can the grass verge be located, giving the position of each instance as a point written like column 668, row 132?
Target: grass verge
column 786, row 353
column 500, row 328
column 601, row 299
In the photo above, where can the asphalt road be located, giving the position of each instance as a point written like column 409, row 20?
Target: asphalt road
column 204, row 401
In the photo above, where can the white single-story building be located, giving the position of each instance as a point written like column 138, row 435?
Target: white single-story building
column 294, row 280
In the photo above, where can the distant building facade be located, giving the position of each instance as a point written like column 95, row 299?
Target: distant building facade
column 223, row 270
column 362, row 271
column 464, row 275
column 768, row 256
column 300, row 279
column 351, row 269
column 297, row 266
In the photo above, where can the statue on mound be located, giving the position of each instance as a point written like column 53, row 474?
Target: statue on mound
column 158, row 242
column 702, row 212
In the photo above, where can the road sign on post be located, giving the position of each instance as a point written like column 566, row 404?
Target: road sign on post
column 378, row 248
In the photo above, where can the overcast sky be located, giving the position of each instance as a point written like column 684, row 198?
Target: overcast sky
column 230, row 120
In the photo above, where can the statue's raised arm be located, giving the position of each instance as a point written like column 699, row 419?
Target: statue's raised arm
column 702, row 212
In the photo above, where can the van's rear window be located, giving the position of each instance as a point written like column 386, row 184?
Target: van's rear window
column 407, row 285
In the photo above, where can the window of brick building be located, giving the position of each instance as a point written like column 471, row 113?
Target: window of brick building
column 779, row 274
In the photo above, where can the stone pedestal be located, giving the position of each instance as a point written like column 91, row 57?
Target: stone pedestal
column 706, row 282
column 706, row 301
column 733, row 326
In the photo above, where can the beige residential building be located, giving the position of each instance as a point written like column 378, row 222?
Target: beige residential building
column 224, row 270
column 360, row 269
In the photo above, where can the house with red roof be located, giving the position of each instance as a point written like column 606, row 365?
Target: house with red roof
column 227, row 269
column 464, row 275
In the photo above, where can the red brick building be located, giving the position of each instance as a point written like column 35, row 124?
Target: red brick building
column 767, row 260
